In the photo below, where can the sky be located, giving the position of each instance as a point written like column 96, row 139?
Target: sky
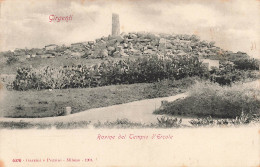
column 232, row 24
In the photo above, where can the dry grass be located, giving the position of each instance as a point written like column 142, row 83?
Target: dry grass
column 207, row 99
column 46, row 103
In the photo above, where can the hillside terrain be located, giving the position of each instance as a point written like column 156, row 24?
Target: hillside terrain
column 130, row 45
column 114, row 70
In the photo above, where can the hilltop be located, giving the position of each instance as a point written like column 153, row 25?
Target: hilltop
column 125, row 45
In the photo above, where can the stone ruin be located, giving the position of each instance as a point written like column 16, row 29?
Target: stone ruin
column 137, row 44
column 115, row 25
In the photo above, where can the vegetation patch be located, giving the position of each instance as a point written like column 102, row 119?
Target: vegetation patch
column 49, row 103
column 163, row 122
column 57, row 125
column 229, row 73
column 208, row 99
column 142, row 70
column 243, row 119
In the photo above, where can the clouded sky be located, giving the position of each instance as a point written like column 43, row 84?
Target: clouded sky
column 233, row 24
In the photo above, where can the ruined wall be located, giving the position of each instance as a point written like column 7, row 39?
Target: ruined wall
column 115, row 25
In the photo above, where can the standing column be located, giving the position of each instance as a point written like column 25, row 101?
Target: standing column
column 115, row 25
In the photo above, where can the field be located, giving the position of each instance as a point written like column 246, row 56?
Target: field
column 46, row 103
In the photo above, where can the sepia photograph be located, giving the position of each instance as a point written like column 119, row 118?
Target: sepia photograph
column 129, row 70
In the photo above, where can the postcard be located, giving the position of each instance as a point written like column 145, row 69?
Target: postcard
column 129, row 83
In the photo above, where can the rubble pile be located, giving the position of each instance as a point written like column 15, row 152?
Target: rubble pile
column 137, row 44
column 134, row 44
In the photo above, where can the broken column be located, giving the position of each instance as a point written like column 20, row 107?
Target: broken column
column 115, row 25
column 68, row 111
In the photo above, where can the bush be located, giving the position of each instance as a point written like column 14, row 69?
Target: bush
column 163, row 122
column 12, row 60
column 228, row 74
column 207, row 99
column 246, row 64
column 142, row 70
column 119, row 123
column 57, row 125
column 167, row 122
column 209, row 121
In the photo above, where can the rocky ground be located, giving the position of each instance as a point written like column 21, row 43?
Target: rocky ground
column 148, row 43
column 131, row 44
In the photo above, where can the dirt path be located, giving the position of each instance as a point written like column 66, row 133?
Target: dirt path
column 138, row 111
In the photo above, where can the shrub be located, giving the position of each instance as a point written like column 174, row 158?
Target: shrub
column 167, row 122
column 209, row 121
column 163, row 122
column 71, row 125
column 228, row 74
column 57, row 125
column 142, row 70
column 246, row 64
column 208, row 99
column 12, row 60
column 119, row 123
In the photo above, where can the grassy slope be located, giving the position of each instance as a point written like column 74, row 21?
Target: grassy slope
column 47, row 103
column 207, row 99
